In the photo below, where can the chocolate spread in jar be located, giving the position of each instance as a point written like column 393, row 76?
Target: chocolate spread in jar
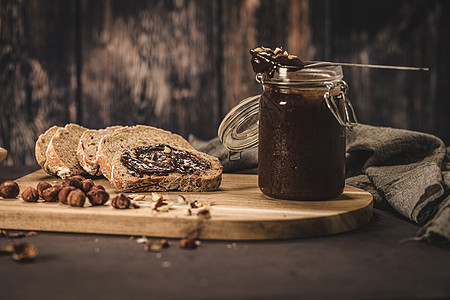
column 301, row 146
column 161, row 160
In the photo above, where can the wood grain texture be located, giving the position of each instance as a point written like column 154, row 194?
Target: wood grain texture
column 408, row 33
column 182, row 65
column 36, row 73
column 249, row 24
column 151, row 62
column 239, row 212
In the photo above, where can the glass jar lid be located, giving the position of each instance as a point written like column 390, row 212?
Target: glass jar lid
column 239, row 129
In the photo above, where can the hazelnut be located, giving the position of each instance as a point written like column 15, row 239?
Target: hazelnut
column 21, row 251
column 51, row 194
column 97, row 188
column 72, row 181
column 9, row 189
column 121, row 201
column 78, row 177
column 156, row 246
column 64, row 192
column 97, row 196
column 152, row 246
column 87, row 184
column 164, row 243
column 76, row 198
column 30, row 194
column 24, row 251
column 41, row 187
column 188, row 244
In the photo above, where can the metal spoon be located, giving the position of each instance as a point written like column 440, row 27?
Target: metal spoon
column 313, row 64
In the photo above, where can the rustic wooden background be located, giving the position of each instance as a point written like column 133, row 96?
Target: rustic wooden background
column 181, row 65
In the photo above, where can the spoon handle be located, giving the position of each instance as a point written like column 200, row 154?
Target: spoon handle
column 313, row 64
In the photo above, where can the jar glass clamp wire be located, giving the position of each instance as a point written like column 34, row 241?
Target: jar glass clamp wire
column 299, row 124
column 331, row 104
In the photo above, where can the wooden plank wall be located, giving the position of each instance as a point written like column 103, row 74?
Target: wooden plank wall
column 181, row 65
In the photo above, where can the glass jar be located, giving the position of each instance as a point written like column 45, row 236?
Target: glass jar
column 299, row 123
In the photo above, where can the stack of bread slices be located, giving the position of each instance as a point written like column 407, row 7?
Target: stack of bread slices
column 74, row 149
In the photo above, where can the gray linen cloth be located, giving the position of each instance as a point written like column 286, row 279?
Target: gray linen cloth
column 404, row 170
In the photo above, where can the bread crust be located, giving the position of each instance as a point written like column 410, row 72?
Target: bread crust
column 40, row 149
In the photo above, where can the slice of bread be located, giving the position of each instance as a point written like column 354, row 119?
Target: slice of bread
column 112, row 147
column 62, row 151
column 40, row 149
column 88, row 146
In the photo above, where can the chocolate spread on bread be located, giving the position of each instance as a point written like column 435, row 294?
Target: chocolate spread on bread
column 161, row 160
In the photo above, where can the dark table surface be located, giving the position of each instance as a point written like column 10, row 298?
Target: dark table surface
column 372, row 262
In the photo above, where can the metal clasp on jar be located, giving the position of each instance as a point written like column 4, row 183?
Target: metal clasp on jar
column 332, row 106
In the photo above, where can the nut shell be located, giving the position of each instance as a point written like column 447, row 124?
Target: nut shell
column 97, row 196
column 24, row 251
column 73, row 181
column 87, row 184
column 204, row 214
column 64, row 192
column 188, row 244
column 156, row 246
column 120, row 201
column 9, row 189
column 51, row 194
column 76, row 198
column 30, row 194
column 41, row 187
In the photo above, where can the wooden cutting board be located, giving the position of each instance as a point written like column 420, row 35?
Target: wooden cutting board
column 239, row 211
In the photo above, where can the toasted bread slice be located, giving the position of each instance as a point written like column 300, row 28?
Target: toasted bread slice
column 40, row 149
column 112, row 147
